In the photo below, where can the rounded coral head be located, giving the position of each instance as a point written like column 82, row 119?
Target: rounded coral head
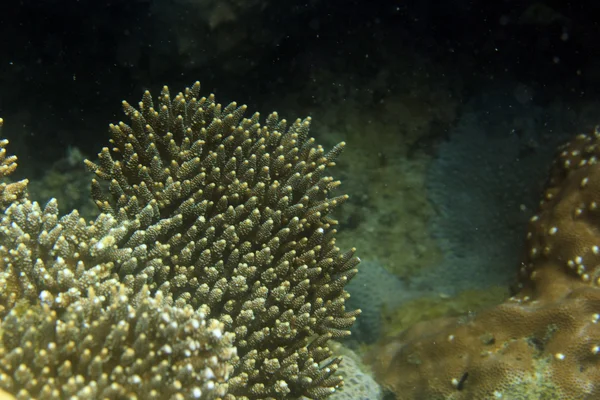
column 564, row 236
column 544, row 342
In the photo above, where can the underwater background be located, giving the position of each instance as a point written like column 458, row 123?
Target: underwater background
column 451, row 113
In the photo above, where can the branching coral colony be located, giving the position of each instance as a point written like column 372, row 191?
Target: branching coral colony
column 211, row 272
column 543, row 343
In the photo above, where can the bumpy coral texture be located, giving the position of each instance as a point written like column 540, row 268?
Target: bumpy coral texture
column 233, row 215
column 211, row 273
column 9, row 192
column 70, row 329
column 542, row 343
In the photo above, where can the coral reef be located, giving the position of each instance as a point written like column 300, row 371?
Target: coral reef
column 70, row 329
column 104, row 347
column 542, row 343
column 208, row 219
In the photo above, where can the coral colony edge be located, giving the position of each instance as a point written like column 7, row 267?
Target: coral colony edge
column 544, row 341
column 212, row 271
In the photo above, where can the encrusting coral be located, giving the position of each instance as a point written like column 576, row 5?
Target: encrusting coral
column 542, row 343
column 208, row 219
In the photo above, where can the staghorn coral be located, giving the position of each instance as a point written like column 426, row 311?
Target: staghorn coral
column 544, row 342
column 55, row 259
column 69, row 329
column 214, row 232
column 113, row 347
column 359, row 383
column 9, row 192
column 233, row 215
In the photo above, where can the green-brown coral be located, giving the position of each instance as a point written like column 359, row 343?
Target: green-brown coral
column 234, row 215
column 70, row 329
column 9, row 192
column 115, row 347
column 202, row 210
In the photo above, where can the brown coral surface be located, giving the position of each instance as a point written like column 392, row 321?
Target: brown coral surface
column 542, row 343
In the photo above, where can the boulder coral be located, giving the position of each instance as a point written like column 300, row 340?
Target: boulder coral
column 544, row 341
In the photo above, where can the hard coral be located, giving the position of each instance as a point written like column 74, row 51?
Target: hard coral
column 9, row 192
column 211, row 273
column 542, row 343
column 235, row 215
column 70, row 329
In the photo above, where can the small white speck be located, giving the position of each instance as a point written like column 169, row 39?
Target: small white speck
column 165, row 317
column 585, row 277
column 46, row 297
column 208, row 374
